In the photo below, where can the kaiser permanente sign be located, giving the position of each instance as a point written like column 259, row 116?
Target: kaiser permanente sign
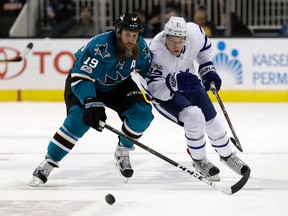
column 252, row 70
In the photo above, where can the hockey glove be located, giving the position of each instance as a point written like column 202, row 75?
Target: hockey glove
column 94, row 112
column 182, row 82
column 208, row 74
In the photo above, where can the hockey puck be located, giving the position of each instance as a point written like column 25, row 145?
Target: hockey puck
column 110, row 199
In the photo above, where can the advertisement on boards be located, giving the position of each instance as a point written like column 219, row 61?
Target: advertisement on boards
column 243, row 64
column 45, row 67
column 252, row 64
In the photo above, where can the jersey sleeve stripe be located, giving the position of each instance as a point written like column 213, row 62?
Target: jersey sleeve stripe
column 78, row 76
column 205, row 47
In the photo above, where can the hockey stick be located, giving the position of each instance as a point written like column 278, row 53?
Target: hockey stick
column 135, row 78
column 227, row 190
column 22, row 55
column 234, row 140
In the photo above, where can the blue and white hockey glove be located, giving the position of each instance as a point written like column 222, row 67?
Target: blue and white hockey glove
column 182, row 82
column 94, row 112
column 208, row 74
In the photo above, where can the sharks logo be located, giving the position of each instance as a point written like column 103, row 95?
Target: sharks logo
column 147, row 52
column 102, row 50
column 110, row 81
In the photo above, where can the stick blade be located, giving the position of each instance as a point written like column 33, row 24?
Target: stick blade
column 236, row 144
column 27, row 49
column 22, row 55
column 240, row 184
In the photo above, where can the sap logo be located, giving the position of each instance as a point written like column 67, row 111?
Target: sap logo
column 230, row 65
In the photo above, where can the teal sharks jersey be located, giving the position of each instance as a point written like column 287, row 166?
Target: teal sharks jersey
column 97, row 62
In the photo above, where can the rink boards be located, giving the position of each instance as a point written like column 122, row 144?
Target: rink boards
column 252, row 69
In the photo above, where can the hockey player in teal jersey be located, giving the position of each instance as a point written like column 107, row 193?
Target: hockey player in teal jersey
column 101, row 77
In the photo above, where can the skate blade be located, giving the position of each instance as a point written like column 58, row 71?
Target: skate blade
column 215, row 178
column 119, row 172
column 35, row 181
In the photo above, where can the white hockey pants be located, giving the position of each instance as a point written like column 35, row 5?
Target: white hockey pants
column 195, row 128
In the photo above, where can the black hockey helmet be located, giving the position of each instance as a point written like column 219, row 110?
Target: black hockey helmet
column 129, row 22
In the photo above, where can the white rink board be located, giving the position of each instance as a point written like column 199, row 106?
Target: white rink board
column 259, row 64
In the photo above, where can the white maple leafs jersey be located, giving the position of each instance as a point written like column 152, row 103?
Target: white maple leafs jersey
column 197, row 49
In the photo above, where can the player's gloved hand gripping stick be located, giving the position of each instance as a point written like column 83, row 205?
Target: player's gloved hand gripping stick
column 94, row 112
column 234, row 139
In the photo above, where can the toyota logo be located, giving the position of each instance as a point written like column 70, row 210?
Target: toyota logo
column 10, row 70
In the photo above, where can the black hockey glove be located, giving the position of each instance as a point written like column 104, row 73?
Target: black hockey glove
column 182, row 82
column 94, row 112
column 208, row 74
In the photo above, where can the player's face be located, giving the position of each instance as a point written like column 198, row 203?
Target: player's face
column 127, row 44
column 175, row 44
column 129, row 39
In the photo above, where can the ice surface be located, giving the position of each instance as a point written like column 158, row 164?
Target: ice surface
column 87, row 174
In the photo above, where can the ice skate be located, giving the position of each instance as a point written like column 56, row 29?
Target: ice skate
column 41, row 173
column 206, row 168
column 123, row 164
column 235, row 163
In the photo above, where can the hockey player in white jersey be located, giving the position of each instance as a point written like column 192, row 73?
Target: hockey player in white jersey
column 181, row 95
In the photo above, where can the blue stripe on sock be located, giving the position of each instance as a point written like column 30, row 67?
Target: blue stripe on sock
column 198, row 147
column 221, row 146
